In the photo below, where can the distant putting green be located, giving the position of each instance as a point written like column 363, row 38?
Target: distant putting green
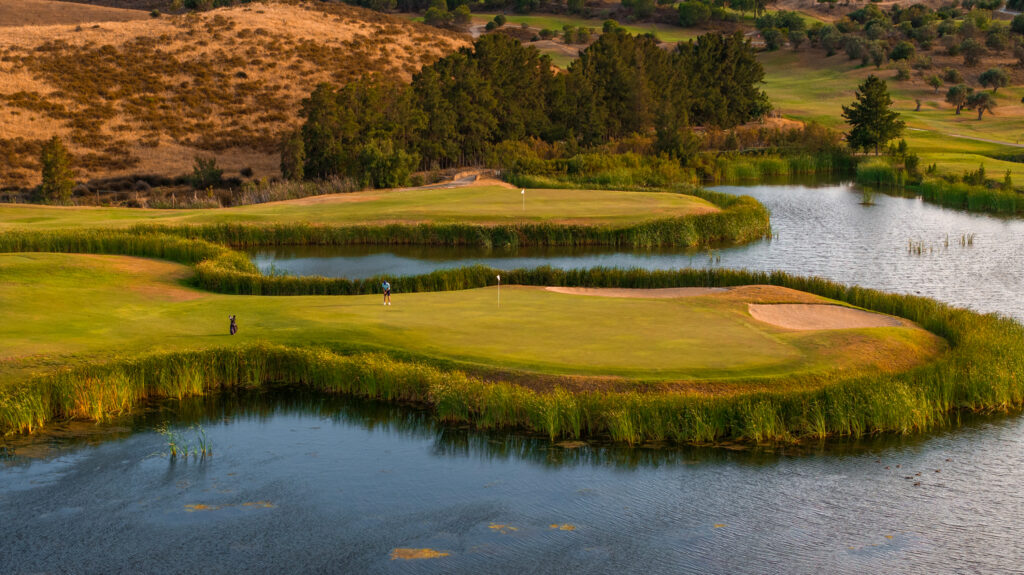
column 476, row 204
column 67, row 310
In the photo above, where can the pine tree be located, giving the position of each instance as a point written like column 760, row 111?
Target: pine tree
column 872, row 121
column 58, row 180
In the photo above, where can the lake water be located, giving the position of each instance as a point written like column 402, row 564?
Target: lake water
column 823, row 231
column 307, row 483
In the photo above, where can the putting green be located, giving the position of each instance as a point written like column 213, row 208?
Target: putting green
column 61, row 310
column 476, row 204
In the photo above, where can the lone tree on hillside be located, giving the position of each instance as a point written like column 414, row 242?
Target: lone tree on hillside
column 995, row 78
column 981, row 101
column 58, row 180
column 957, row 95
column 872, row 121
column 935, row 82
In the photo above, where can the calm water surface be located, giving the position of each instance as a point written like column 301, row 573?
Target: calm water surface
column 302, row 483
column 306, row 483
column 821, row 231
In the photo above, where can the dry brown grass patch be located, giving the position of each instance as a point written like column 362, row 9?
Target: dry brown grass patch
column 146, row 96
column 50, row 12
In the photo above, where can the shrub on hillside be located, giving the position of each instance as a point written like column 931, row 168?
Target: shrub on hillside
column 205, row 173
column 902, row 51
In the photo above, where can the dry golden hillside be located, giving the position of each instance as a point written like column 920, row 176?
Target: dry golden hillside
column 45, row 12
column 146, row 96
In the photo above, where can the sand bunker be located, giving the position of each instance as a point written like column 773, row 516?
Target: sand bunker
column 806, row 317
column 659, row 293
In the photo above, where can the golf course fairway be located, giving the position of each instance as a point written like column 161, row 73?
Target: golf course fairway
column 72, row 311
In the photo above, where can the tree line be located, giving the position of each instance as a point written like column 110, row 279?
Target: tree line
column 378, row 130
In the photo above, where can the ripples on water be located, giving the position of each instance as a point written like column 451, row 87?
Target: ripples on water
column 334, row 485
column 340, row 483
column 819, row 231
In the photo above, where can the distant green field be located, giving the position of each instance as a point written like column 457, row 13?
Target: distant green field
column 808, row 86
column 480, row 204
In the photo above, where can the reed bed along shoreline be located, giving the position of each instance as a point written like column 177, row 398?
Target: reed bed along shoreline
column 983, row 370
column 631, row 172
column 881, row 175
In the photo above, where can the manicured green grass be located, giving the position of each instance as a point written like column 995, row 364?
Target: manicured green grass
column 82, row 309
column 808, row 86
column 465, row 205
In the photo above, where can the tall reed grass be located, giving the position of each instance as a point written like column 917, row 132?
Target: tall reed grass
column 882, row 174
column 126, row 243
column 631, row 171
column 735, row 168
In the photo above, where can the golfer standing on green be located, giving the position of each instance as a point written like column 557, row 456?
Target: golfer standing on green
column 387, row 292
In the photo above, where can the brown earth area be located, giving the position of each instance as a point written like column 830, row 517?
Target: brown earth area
column 48, row 12
column 808, row 317
column 146, row 96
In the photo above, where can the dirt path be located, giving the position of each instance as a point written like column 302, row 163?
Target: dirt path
column 808, row 317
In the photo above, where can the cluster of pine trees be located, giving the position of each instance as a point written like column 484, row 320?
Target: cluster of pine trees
column 455, row 111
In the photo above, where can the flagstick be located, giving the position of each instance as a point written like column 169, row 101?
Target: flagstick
column 523, row 193
column 499, row 291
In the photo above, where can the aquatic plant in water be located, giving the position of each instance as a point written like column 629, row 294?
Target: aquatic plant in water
column 179, row 446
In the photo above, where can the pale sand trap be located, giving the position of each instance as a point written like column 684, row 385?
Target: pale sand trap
column 807, row 317
column 660, row 293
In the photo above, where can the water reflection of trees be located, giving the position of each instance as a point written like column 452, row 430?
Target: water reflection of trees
column 413, row 422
